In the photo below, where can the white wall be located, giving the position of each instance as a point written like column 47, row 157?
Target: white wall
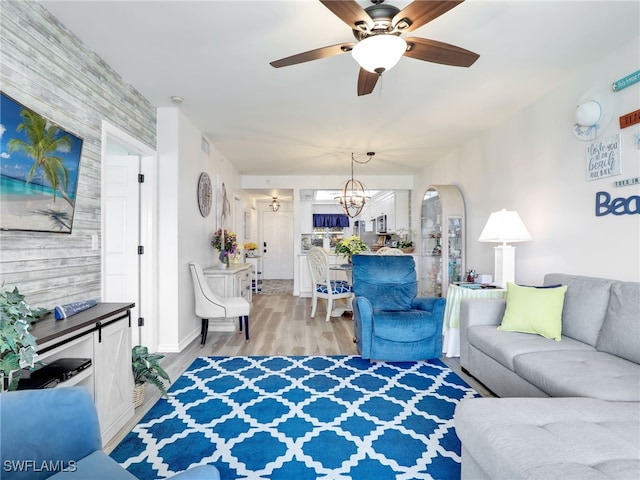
column 184, row 235
column 532, row 163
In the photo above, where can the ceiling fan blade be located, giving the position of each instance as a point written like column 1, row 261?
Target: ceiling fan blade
column 366, row 82
column 421, row 12
column 316, row 54
column 439, row 52
column 350, row 12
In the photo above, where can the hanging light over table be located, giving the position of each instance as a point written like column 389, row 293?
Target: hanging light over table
column 354, row 194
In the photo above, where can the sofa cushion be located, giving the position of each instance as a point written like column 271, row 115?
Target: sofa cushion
column 505, row 346
column 620, row 334
column 585, row 305
column 534, row 310
column 551, row 438
column 581, row 373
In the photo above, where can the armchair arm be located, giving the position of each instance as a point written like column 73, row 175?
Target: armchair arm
column 363, row 324
column 434, row 305
column 54, row 424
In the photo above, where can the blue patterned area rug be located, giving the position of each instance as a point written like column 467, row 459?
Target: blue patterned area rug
column 300, row 418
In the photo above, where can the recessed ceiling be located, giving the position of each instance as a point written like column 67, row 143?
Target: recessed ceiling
column 307, row 119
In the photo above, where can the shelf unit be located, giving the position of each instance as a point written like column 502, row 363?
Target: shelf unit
column 103, row 334
column 442, row 246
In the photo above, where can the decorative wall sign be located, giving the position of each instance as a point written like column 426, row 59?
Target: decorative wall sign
column 606, row 205
column 626, row 182
column 626, row 81
column 603, row 158
column 630, row 119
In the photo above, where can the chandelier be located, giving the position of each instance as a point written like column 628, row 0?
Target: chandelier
column 354, row 194
column 275, row 204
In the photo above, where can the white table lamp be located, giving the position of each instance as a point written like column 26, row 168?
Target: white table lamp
column 504, row 226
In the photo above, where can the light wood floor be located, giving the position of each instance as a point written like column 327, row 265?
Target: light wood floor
column 279, row 325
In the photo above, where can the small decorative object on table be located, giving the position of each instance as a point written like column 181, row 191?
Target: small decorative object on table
column 225, row 242
column 351, row 246
column 146, row 369
column 17, row 345
column 405, row 243
column 250, row 248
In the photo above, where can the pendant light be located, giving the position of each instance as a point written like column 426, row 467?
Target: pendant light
column 354, row 194
column 275, row 204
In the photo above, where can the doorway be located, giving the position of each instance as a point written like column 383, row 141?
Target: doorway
column 277, row 247
column 128, row 230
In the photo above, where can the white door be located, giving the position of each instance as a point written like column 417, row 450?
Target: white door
column 277, row 228
column 121, row 200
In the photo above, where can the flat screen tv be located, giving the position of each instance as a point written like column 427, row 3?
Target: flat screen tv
column 39, row 164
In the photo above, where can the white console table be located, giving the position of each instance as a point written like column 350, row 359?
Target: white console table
column 103, row 334
column 233, row 281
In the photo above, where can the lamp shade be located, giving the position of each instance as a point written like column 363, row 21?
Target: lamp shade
column 504, row 226
column 379, row 52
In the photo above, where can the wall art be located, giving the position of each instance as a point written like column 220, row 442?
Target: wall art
column 604, row 158
column 39, row 166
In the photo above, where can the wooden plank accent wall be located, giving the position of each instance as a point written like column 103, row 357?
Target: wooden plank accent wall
column 45, row 67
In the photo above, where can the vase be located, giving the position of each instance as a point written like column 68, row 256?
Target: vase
column 138, row 394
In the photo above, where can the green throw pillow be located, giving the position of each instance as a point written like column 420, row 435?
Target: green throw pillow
column 534, row 310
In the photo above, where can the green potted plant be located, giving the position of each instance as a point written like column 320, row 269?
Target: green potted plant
column 146, row 369
column 351, row 246
column 404, row 240
column 17, row 344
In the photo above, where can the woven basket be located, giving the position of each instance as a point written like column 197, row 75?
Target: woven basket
column 138, row 394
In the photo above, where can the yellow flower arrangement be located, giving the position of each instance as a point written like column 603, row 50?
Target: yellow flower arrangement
column 351, row 246
column 250, row 246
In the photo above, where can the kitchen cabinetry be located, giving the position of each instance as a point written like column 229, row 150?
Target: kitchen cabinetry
column 395, row 205
column 234, row 281
column 442, row 245
column 102, row 334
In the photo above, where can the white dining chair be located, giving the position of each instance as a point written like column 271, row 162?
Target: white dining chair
column 209, row 305
column 389, row 251
column 323, row 285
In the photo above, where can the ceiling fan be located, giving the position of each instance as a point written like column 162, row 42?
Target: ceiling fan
column 379, row 46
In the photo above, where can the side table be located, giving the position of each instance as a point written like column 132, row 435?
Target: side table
column 451, row 321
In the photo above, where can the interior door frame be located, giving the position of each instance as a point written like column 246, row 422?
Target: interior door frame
column 148, row 288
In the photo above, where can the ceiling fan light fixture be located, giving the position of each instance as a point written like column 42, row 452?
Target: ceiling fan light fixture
column 379, row 53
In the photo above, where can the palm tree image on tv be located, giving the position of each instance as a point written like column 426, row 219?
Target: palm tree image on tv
column 42, row 145
column 39, row 163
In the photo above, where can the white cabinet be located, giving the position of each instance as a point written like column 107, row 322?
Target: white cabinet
column 234, row 281
column 114, row 379
column 395, row 205
column 103, row 334
column 442, row 245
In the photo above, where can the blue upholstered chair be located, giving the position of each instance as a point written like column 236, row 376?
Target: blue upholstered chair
column 390, row 322
column 54, row 433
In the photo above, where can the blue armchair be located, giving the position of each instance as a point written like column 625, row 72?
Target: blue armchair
column 390, row 322
column 54, row 433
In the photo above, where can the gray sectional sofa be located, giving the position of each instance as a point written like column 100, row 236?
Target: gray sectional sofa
column 590, row 427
